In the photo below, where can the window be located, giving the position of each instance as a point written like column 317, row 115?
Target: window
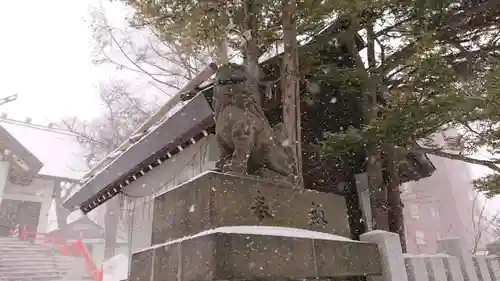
column 434, row 212
column 414, row 211
column 420, row 237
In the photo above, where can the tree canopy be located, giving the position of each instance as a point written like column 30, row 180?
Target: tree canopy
column 434, row 66
column 426, row 66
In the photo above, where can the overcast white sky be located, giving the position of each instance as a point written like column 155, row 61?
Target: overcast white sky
column 46, row 58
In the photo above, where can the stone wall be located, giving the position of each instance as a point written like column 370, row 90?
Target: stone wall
column 452, row 262
column 139, row 196
column 231, row 227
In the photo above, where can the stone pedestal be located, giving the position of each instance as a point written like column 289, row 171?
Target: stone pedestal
column 224, row 227
column 493, row 248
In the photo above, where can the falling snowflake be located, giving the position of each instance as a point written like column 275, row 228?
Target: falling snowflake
column 192, row 209
column 285, row 143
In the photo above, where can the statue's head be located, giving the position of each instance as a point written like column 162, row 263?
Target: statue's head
column 230, row 74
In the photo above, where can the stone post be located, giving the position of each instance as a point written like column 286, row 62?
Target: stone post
column 482, row 268
column 364, row 199
column 391, row 255
column 454, row 247
column 435, row 268
column 493, row 260
column 493, row 248
column 493, row 266
column 416, row 269
column 453, row 270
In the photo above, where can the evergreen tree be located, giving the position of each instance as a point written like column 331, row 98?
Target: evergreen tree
column 426, row 65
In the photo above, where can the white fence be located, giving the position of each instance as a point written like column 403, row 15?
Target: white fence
column 452, row 262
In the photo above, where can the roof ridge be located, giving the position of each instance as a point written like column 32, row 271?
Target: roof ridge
column 36, row 126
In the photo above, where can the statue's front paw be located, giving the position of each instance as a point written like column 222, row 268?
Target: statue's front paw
column 234, row 169
column 296, row 187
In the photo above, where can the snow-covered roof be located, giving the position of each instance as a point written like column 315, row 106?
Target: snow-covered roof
column 59, row 151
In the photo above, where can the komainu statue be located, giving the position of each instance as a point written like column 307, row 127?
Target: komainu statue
column 247, row 143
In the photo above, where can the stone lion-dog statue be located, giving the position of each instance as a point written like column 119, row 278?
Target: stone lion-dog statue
column 248, row 144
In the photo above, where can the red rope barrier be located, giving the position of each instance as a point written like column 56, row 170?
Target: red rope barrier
column 77, row 248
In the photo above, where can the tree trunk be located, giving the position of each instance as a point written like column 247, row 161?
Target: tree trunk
column 354, row 212
column 111, row 219
column 395, row 206
column 223, row 53
column 376, row 185
column 252, row 54
column 291, row 85
column 376, row 182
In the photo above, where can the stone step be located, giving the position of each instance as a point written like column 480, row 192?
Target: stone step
column 25, row 261
column 39, row 270
column 38, row 278
column 26, row 273
column 29, row 251
column 27, row 248
column 36, row 267
column 65, row 279
column 28, row 244
column 49, row 275
column 31, row 264
column 8, row 257
column 25, row 245
column 82, row 279
column 30, row 260
column 23, row 275
column 44, row 276
column 36, row 260
column 52, row 252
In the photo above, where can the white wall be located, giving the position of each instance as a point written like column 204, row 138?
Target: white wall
column 40, row 190
column 4, row 174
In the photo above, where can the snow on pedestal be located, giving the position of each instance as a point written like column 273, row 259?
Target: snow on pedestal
column 115, row 269
column 391, row 255
column 252, row 252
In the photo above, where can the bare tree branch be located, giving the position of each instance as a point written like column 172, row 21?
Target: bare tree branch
column 438, row 152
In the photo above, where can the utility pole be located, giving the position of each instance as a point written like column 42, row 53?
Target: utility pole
column 8, row 99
